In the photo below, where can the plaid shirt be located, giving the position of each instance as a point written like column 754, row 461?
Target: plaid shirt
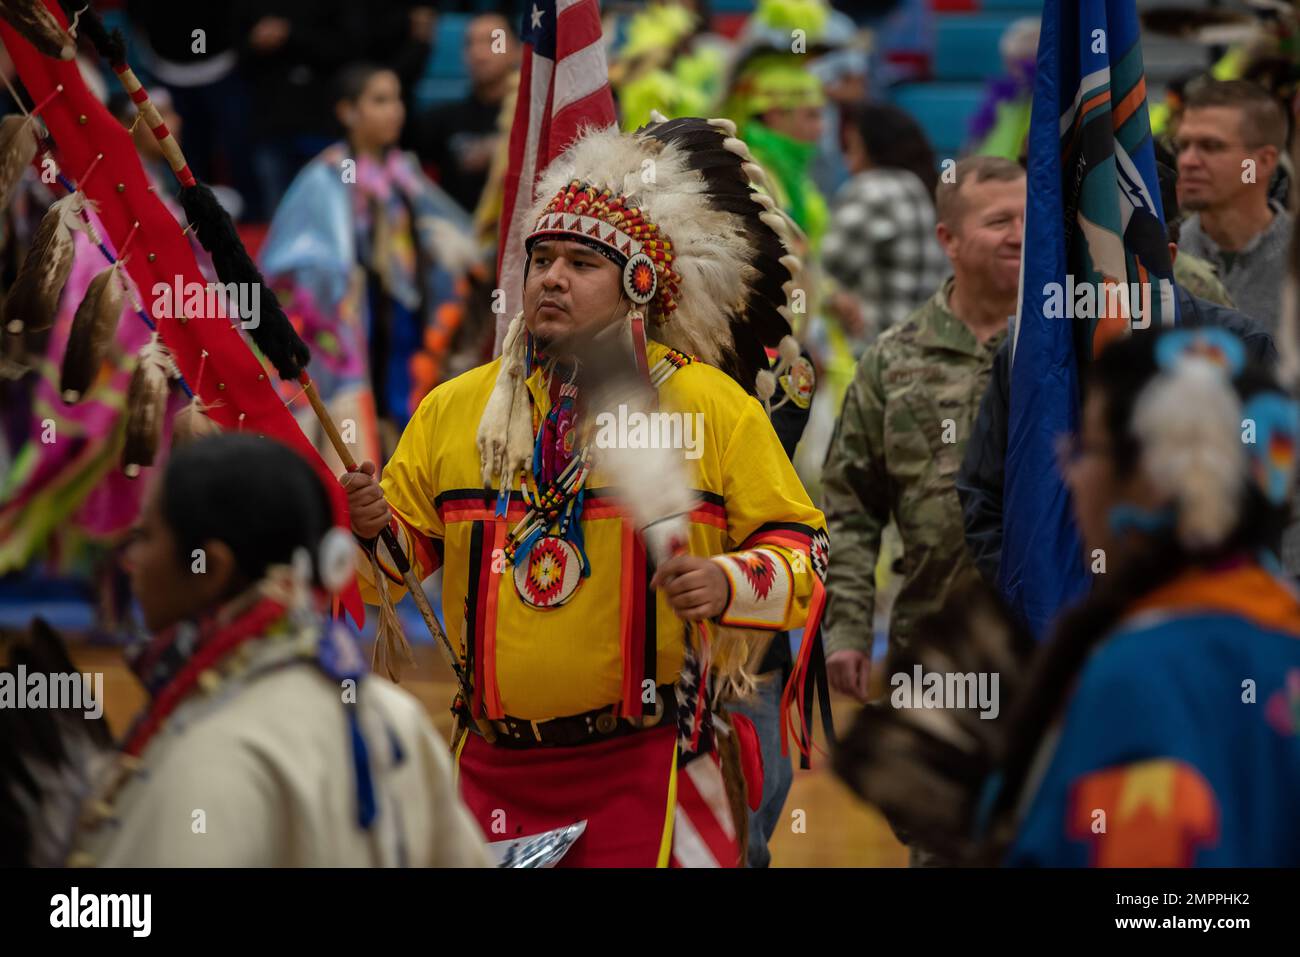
column 881, row 247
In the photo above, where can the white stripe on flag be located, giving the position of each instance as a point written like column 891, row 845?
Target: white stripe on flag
column 580, row 74
column 512, row 261
column 563, row 5
column 707, row 778
column 1089, row 83
column 688, row 847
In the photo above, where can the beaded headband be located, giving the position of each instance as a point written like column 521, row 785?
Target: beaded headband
column 579, row 211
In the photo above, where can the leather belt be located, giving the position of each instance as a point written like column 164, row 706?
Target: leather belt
column 590, row 727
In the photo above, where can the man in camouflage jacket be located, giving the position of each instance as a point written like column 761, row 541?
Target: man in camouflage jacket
column 906, row 419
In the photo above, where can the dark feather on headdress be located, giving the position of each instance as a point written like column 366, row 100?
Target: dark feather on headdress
column 759, row 325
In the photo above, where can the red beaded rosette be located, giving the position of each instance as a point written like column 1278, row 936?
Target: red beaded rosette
column 582, row 211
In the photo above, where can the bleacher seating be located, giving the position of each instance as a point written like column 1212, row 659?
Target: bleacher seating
column 966, row 45
column 964, row 55
column 942, row 109
column 444, row 79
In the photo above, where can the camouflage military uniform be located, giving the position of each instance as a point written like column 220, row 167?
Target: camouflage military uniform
column 1200, row 279
column 896, row 450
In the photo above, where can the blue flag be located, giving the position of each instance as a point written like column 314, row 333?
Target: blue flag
column 1096, row 265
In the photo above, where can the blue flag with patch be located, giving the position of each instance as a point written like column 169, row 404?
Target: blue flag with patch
column 1096, row 266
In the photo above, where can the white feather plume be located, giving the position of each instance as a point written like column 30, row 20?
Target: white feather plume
column 653, row 484
column 1188, row 422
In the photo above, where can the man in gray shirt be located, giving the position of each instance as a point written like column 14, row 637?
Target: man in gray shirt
column 1228, row 144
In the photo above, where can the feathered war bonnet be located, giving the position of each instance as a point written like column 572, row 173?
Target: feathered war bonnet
column 705, row 257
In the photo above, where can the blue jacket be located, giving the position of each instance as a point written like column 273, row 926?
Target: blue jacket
column 1180, row 745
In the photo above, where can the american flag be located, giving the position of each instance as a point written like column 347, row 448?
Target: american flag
column 563, row 86
column 704, row 833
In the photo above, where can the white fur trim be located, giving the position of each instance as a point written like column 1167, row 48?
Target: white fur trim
column 775, row 222
column 789, row 349
column 733, row 145
column 498, row 436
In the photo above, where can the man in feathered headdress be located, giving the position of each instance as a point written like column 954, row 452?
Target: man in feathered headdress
column 616, row 545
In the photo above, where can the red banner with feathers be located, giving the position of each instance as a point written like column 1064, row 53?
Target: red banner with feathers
column 234, row 381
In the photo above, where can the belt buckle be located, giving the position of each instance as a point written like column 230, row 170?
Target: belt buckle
column 650, row 721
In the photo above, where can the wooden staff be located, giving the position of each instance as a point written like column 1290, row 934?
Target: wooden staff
column 112, row 49
column 399, row 557
column 166, row 142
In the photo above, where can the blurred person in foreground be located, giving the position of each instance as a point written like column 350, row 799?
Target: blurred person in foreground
column 265, row 740
column 1159, row 725
column 1163, row 727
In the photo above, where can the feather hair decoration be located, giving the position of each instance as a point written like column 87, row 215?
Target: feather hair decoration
column 93, row 329
column 926, row 767
column 1188, row 421
column 146, row 407
column 38, row 27
column 34, row 297
column 17, row 150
